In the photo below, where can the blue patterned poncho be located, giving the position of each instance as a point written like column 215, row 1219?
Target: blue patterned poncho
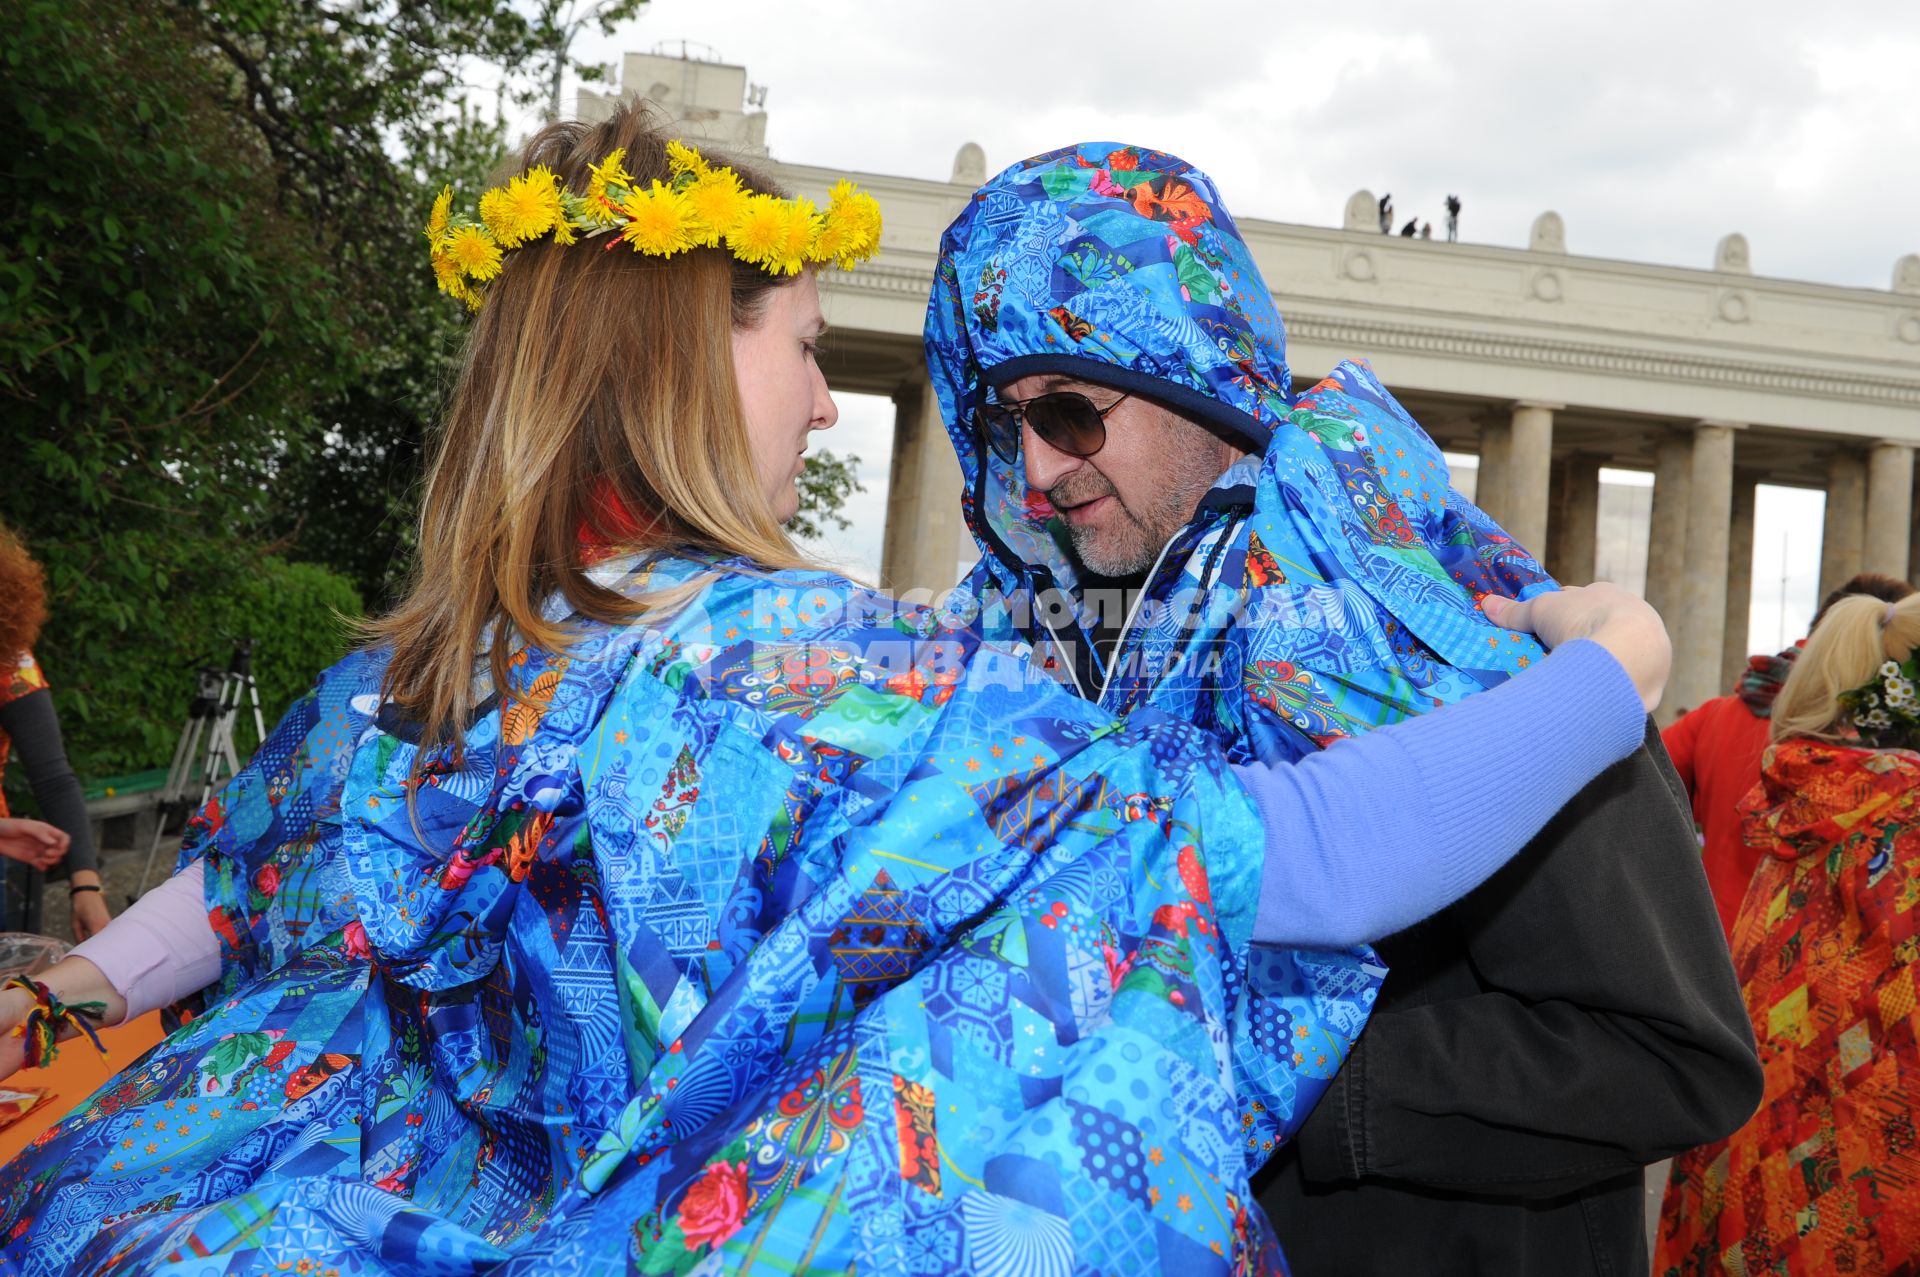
column 1326, row 585
column 793, row 933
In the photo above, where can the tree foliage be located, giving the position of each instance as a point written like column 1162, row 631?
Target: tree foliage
column 220, row 351
column 207, row 280
column 555, row 24
column 826, row 481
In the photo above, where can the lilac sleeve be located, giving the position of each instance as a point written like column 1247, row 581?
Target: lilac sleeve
column 1379, row 831
column 162, row 948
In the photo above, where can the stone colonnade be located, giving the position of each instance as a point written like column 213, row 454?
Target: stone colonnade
column 926, row 529
column 1700, row 545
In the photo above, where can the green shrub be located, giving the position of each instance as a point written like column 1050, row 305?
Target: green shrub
column 123, row 670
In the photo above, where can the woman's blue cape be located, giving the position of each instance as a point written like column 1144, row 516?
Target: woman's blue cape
column 792, row 933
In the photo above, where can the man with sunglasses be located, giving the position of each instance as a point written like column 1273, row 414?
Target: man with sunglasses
column 1170, row 528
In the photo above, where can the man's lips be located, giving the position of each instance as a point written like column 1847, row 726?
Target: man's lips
column 1086, row 511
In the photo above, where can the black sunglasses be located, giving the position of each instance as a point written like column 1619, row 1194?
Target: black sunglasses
column 1064, row 419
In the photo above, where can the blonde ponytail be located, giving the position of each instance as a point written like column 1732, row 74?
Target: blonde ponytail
column 1853, row 640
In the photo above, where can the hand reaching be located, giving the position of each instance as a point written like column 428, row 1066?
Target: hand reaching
column 90, row 912
column 32, row 842
column 1616, row 619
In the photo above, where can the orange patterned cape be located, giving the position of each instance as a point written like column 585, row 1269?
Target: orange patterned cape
column 1826, row 1176
column 24, row 677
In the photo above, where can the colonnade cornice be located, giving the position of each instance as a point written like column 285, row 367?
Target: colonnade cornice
column 1362, row 334
column 896, row 281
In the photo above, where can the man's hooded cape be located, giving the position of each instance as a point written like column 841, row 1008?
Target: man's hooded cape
column 1326, row 585
column 789, row 932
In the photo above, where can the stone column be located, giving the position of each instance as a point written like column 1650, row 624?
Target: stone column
column 1490, row 485
column 1699, row 636
column 1529, row 478
column 1575, row 534
column 925, row 530
column 1913, row 543
column 1889, row 525
column 1667, row 525
column 1733, row 649
column 1844, row 530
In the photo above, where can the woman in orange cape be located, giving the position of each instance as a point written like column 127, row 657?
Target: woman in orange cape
column 1823, row 1178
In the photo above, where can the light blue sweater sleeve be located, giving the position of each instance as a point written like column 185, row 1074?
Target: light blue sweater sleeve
column 1378, row 831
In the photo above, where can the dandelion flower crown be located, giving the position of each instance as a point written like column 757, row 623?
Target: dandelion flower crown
column 700, row 206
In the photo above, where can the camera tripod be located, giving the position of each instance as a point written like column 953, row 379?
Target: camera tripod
column 206, row 750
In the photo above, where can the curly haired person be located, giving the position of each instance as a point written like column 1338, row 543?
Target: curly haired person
column 30, row 731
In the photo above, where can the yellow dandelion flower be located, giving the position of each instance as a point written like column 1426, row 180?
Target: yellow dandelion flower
column 437, row 219
column 445, row 273
column 473, row 252
column 683, row 159
column 525, row 208
column 608, row 172
column 460, row 289
column 759, row 233
column 717, row 201
column 800, row 227
column 850, row 231
column 659, row 221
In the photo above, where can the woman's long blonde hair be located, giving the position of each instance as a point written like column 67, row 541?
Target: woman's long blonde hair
column 1855, row 637
column 595, row 384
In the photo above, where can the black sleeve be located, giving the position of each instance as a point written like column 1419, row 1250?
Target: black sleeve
column 35, row 731
column 1575, row 1017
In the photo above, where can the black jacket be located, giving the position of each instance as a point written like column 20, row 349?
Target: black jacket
column 1535, row 1045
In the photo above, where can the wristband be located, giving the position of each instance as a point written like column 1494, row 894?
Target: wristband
column 41, row 1028
column 74, row 891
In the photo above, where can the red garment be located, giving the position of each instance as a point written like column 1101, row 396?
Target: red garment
column 1822, row 1180
column 610, row 527
column 1716, row 749
column 23, row 679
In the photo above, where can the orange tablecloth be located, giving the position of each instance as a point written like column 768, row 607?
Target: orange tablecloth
column 77, row 1074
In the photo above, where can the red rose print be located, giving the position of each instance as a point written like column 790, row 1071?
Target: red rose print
column 268, row 879
column 713, row 1208
column 356, row 938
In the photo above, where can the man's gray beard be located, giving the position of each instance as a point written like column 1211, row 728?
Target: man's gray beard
column 1133, row 549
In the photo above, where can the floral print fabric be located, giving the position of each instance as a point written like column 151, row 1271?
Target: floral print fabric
column 23, row 679
column 1822, row 1179
column 794, row 932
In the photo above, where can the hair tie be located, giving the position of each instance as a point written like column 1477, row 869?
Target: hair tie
column 1886, row 617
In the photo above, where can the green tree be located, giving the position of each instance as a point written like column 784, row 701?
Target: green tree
column 209, row 278
column 554, row 27
column 826, row 481
column 164, row 320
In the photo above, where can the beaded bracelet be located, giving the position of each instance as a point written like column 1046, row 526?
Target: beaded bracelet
column 41, row 1028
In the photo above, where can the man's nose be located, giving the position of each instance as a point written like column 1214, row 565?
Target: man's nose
column 1046, row 464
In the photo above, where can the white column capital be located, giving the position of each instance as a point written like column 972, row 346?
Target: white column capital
column 1714, row 424
column 1537, row 405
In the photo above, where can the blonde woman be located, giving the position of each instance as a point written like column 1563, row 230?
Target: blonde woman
column 643, row 897
column 1821, row 1179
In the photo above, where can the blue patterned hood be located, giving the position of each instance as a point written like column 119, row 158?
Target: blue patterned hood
column 1328, row 583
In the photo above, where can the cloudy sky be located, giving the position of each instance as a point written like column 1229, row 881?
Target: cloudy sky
column 1653, row 129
